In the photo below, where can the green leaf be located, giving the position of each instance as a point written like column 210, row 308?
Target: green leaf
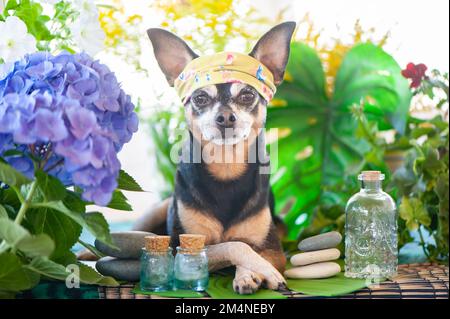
column 74, row 202
column 126, row 182
column 31, row 14
column 169, row 294
column 14, row 277
column 11, row 232
column 38, row 245
column 320, row 147
column 63, row 10
column 3, row 212
column 404, row 180
column 442, row 190
column 368, row 71
column 89, row 276
column 94, row 222
column 51, row 269
column 432, row 163
column 119, row 201
column 48, row 268
column 92, row 249
column 9, row 198
column 3, row 293
column 12, row 152
column 414, row 213
column 98, row 226
column 12, row 177
column 62, row 229
column 50, row 187
column 19, row 238
column 221, row 287
column 11, row 5
column 329, row 287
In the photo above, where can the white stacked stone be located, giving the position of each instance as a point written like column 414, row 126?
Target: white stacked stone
column 316, row 259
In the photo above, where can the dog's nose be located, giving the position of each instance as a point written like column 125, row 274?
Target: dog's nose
column 226, row 119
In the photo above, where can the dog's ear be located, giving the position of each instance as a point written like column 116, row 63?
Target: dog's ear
column 273, row 49
column 172, row 53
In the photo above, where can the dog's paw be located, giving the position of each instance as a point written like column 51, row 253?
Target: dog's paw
column 246, row 282
column 273, row 279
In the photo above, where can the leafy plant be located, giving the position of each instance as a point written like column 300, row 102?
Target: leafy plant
column 40, row 221
column 422, row 182
column 58, row 154
column 319, row 149
column 416, row 164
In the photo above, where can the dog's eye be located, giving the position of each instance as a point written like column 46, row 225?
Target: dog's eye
column 246, row 97
column 202, row 100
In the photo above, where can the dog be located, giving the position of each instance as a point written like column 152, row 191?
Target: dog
column 229, row 202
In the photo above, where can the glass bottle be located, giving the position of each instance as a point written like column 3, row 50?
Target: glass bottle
column 191, row 264
column 371, row 230
column 157, row 264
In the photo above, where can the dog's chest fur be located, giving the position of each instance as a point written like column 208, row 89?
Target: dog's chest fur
column 252, row 230
column 237, row 209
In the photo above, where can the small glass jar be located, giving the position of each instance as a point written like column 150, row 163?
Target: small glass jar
column 191, row 269
column 371, row 231
column 157, row 270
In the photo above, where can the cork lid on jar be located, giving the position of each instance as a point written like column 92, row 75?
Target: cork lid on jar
column 371, row 176
column 157, row 243
column 192, row 242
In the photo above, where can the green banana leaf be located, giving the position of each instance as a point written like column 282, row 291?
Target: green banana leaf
column 221, row 287
column 322, row 147
column 169, row 294
column 329, row 287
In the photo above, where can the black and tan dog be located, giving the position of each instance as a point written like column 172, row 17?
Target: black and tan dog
column 230, row 202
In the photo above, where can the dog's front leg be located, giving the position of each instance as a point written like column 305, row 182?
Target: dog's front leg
column 249, row 265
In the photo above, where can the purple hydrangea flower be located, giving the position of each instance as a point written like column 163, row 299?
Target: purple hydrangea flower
column 70, row 112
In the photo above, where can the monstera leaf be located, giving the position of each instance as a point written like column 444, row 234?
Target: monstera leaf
column 318, row 146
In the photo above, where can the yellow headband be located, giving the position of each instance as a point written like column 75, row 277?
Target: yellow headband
column 225, row 67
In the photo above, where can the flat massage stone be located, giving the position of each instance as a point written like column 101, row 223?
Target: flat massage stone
column 322, row 241
column 317, row 256
column 130, row 244
column 314, row 271
column 119, row 269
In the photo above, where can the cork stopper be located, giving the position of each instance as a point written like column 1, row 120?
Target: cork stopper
column 157, row 243
column 371, row 176
column 192, row 242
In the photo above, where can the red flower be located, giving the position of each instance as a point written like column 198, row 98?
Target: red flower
column 415, row 72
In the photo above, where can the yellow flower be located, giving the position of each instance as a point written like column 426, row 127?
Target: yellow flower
column 214, row 21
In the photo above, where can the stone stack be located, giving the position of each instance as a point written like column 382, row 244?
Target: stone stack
column 122, row 263
column 317, row 257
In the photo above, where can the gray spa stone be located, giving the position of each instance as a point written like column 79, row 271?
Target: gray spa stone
column 120, row 269
column 130, row 244
column 322, row 241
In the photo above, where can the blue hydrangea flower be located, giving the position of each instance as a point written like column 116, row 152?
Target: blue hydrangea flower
column 69, row 112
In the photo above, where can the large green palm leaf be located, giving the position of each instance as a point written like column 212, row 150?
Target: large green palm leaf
column 322, row 148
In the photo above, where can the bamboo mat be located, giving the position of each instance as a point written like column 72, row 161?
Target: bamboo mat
column 413, row 281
